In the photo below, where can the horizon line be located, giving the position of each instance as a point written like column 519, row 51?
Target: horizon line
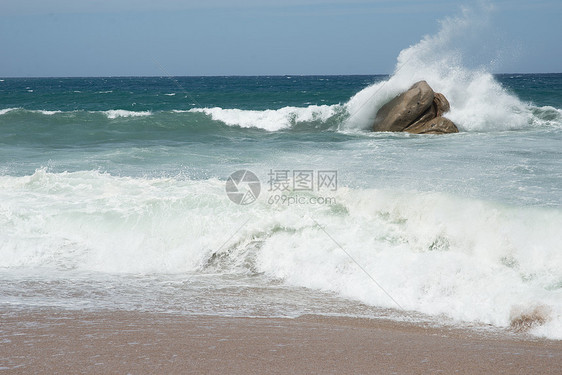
column 243, row 75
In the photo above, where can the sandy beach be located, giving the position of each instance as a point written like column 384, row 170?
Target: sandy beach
column 57, row 341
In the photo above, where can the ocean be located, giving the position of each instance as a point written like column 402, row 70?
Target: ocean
column 270, row 196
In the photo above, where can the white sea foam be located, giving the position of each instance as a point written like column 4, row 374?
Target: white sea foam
column 115, row 113
column 40, row 111
column 6, row 110
column 270, row 119
column 111, row 114
column 43, row 112
column 478, row 101
column 47, row 113
column 439, row 254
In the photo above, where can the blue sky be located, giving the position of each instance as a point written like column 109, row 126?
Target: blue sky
column 251, row 37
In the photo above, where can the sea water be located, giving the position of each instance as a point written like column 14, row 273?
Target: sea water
column 113, row 195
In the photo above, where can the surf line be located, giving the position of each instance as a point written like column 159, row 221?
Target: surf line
column 355, row 261
column 171, row 78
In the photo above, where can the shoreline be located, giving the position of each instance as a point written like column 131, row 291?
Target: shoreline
column 63, row 341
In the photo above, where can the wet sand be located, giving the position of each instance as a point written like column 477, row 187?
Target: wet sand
column 55, row 341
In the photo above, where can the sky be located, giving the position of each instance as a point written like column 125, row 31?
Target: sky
column 63, row 38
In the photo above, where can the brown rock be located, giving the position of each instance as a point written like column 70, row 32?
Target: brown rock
column 403, row 110
column 441, row 104
column 438, row 125
column 418, row 110
column 429, row 114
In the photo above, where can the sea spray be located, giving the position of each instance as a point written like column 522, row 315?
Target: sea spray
column 478, row 102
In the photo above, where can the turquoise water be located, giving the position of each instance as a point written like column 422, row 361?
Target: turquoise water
column 148, row 127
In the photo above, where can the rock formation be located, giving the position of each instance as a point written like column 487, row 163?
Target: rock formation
column 418, row 110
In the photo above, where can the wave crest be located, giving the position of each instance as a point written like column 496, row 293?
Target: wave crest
column 271, row 119
column 115, row 113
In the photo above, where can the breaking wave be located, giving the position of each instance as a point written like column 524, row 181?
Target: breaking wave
column 272, row 120
column 435, row 253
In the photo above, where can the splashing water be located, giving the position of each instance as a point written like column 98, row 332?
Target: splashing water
column 478, row 101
